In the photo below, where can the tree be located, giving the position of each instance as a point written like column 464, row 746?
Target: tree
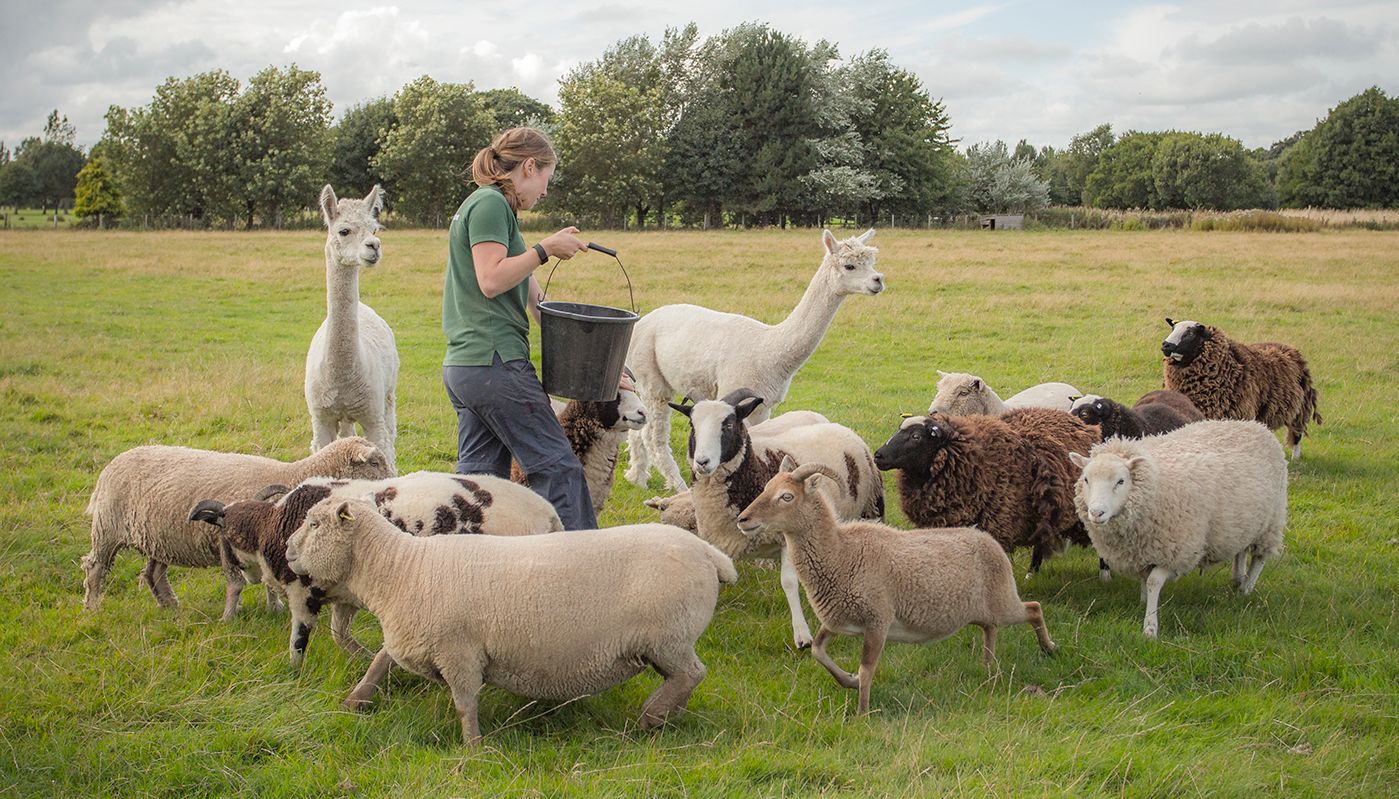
column 17, row 184
column 1123, row 177
column 513, row 108
column 997, row 183
column 1194, row 171
column 1071, row 167
column 610, row 136
column 358, row 137
column 427, row 155
column 280, row 131
column 1350, row 159
column 97, row 193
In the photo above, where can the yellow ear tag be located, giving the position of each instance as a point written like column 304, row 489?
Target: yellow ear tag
column 345, row 514
column 905, row 415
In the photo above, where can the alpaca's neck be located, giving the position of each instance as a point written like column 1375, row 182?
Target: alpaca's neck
column 342, row 309
column 801, row 332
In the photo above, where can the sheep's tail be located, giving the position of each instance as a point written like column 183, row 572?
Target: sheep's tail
column 722, row 564
column 1309, row 398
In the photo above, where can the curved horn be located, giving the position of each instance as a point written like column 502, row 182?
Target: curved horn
column 808, row 469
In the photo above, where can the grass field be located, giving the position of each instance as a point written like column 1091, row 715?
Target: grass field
column 110, row 340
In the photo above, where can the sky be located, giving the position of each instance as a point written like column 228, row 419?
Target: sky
column 1257, row 70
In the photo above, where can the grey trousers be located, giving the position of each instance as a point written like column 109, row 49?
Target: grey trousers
column 502, row 410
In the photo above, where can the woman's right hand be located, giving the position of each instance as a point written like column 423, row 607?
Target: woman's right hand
column 564, row 245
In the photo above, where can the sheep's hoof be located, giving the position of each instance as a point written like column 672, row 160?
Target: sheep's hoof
column 1105, row 575
column 353, row 704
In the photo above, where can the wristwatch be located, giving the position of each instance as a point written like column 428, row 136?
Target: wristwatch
column 543, row 256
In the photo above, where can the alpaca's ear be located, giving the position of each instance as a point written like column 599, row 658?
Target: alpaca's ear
column 828, row 239
column 375, row 201
column 1078, row 460
column 866, row 236
column 787, row 464
column 328, row 203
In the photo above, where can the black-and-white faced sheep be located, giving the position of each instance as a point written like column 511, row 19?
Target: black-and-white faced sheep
column 1156, row 412
column 1009, row 476
column 421, row 504
column 1267, row 382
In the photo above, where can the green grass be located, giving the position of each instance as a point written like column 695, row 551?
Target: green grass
column 34, row 218
column 109, row 340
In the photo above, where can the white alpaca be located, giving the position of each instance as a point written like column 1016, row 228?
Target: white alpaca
column 352, row 366
column 704, row 354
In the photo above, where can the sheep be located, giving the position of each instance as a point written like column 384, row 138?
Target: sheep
column 1007, row 475
column 595, row 431
column 868, row 579
column 679, row 509
column 704, row 354
column 1267, row 383
column 352, row 363
column 421, row 503
column 1156, row 412
column 731, row 467
column 554, row 616
column 961, row 394
column 1162, row 506
column 143, row 496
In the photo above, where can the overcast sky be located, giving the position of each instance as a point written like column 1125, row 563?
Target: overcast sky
column 1255, row 69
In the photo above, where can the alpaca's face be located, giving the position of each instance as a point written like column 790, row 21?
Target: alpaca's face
column 353, row 228
column 321, row 547
column 852, row 263
column 1185, row 342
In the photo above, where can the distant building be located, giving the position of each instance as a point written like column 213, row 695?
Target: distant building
column 1003, row 222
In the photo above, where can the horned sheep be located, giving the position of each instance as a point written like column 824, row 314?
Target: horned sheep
column 555, row 616
column 1162, row 506
column 961, row 394
column 1268, row 382
column 870, row 580
column 143, row 496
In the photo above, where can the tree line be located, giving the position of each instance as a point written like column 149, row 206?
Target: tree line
column 748, row 127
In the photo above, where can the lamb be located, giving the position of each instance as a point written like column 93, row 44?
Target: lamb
column 731, row 467
column 352, row 365
column 554, row 616
column 1267, row 383
column 595, row 431
column 1156, row 412
column 421, row 503
column 868, row 579
column 142, row 501
column 961, row 394
column 1009, row 476
column 1160, row 507
column 700, row 354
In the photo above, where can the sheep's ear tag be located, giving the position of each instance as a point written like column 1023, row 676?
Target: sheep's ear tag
column 905, row 415
column 344, row 513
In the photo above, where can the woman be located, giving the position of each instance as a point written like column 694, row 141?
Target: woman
column 502, row 409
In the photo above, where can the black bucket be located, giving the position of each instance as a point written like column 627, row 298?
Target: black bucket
column 583, row 347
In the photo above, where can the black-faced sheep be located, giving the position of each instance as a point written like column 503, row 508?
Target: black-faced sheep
column 868, row 579
column 1267, row 382
column 1163, row 506
column 421, row 504
column 731, row 467
column 142, row 501
column 1156, row 412
column 554, row 616
column 1007, row 475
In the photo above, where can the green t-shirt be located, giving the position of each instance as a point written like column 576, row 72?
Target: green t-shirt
column 476, row 327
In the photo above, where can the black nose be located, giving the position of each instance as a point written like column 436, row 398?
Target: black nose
column 1167, row 348
column 881, row 462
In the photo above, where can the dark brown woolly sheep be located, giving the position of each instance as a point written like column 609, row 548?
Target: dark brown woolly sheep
column 1267, row 382
column 1008, row 475
column 1156, row 412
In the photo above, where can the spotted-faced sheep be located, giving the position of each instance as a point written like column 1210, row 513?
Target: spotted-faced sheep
column 1008, row 475
column 870, row 580
column 1162, row 506
column 731, row 467
column 1267, row 382
column 142, row 501
column 1156, row 412
column 961, row 394
column 421, row 504
column 555, row 616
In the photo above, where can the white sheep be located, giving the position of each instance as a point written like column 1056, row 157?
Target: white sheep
column 870, row 580
column 961, row 394
column 352, row 365
column 731, row 467
column 421, row 503
column 701, row 354
column 143, row 497
column 555, row 616
column 1160, row 507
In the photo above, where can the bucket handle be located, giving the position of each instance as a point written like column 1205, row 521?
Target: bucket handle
column 605, row 251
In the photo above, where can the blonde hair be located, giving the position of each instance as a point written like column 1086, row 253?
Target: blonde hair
column 493, row 163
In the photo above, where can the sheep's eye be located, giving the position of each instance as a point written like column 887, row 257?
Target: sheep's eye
column 850, row 267
column 314, row 525
column 344, row 231
column 1121, row 481
column 786, row 496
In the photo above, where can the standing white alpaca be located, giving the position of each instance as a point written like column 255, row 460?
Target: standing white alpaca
column 704, row 354
column 352, row 366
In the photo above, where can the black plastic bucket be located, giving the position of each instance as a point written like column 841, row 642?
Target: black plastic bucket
column 584, row 347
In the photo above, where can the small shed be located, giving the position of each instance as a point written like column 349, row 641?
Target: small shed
column 1003, row 222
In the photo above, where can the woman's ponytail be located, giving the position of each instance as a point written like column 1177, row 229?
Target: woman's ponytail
column 492, row 164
